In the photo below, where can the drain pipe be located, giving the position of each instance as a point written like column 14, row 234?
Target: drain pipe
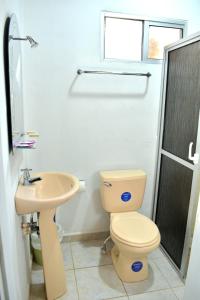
column 32, row 226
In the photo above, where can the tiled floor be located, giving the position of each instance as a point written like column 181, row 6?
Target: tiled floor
column 90, row 276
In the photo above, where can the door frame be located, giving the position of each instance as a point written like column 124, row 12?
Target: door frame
column 196, row 168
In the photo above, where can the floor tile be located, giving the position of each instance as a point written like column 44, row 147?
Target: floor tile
column 36, row 267
column 118, row 298
column 158, row 295
column 67, row 256
column 156, row 281
column 168, row 272
column 72, row 293
column 179, row 292
column 156, row 254
column 88, row 254
column 37, row 292
column 37, row 277
column 98, row 283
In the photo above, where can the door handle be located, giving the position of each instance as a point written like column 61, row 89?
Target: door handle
column 195, row 157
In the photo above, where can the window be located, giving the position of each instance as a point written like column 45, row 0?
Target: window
column 138, row 39
column 159, row 37
column 119, row 43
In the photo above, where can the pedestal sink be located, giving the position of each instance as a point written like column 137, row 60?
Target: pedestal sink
column 44, row 196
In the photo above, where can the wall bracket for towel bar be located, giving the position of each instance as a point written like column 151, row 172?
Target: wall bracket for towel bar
column 79, row 72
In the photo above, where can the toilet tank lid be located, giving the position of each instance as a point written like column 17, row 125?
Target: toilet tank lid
column 122, row 174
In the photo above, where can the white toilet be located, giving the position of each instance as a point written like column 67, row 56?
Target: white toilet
column 133, row 234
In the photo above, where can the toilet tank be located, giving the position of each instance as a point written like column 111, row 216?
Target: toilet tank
column 122, row 190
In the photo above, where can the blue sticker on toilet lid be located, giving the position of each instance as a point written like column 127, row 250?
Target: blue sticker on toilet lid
column 137, row 266
column 126, row 196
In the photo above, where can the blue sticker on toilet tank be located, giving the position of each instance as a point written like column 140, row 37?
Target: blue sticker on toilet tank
column 137, row 266
column 126, row 196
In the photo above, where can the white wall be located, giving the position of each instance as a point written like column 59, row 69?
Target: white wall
column 91, row 123
column 2, row 289
column 12, row 243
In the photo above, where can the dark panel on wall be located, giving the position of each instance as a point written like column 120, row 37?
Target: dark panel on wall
column 182, row 100
column 172, row 206
column 7, row 82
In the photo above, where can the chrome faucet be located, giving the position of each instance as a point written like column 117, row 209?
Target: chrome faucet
column 27, row 178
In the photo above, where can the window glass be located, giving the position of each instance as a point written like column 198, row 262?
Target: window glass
column 123, row 39
column 159, row 37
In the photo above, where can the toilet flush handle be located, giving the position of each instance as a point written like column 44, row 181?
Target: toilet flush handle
column 107, row 184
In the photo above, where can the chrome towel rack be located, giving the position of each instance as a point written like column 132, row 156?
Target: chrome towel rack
column 79, row 72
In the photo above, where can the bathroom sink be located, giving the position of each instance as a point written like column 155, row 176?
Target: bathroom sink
column 44, row 196
column 53, row 190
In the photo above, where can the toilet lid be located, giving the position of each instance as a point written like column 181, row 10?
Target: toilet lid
column 134, row 228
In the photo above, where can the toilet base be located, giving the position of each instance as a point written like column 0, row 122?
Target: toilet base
column 128, row 269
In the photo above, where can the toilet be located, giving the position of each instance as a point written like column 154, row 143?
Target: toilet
column 133, row 234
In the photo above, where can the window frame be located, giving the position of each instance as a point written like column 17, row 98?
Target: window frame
column 147, row 22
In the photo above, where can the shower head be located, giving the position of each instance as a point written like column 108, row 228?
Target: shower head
column 32, row 42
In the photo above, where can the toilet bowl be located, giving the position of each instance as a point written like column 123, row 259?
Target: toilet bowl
column 134, row 236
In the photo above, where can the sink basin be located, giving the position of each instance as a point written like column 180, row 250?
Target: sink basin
column 44, row 196
column 53, row 190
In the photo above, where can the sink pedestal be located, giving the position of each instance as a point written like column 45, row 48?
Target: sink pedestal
column 53, row 263
column 44, row 196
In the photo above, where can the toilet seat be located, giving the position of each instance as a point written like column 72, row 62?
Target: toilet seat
column 134, row 229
